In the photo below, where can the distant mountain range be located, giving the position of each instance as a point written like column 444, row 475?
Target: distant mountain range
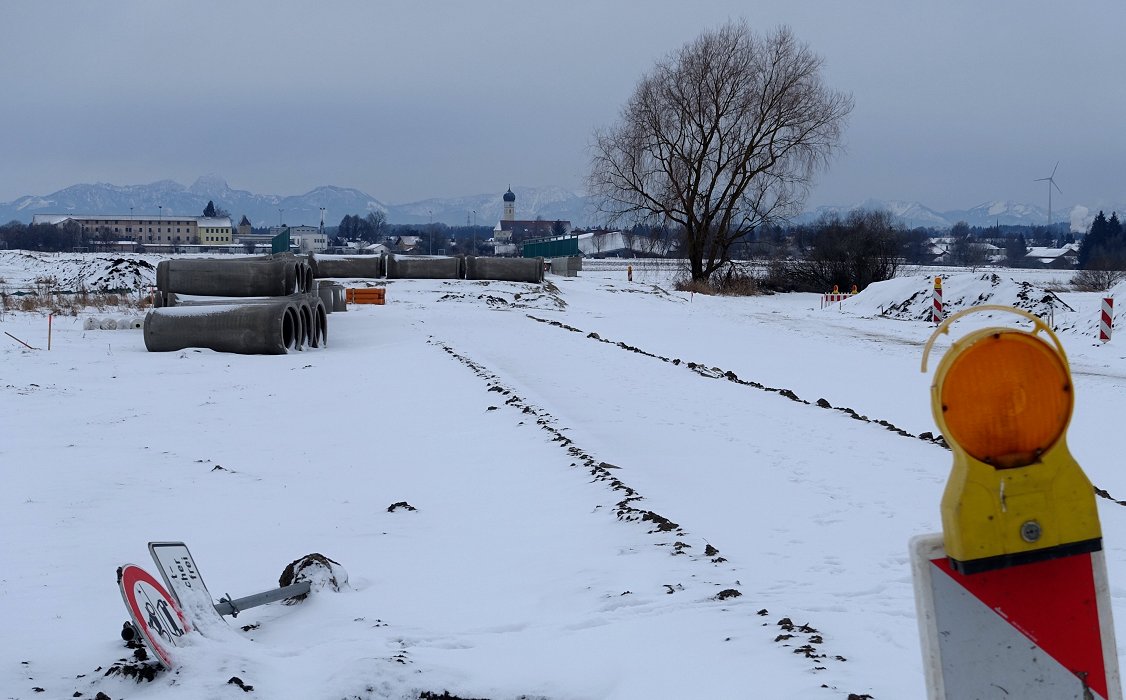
column 1003, row 213
column 549, row 203
column 170, row 198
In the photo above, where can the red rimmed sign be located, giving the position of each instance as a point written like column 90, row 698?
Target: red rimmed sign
column 155, row 614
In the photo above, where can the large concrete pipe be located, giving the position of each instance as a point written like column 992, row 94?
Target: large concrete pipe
column 248, row 329
column 293, row 319
column 324, row 292
column 320, row 323
column 399, row 267
column 308, row 320
column 304, row 277
column 362, row 266
column 339, row 298
column 228, row 278
column 504, row 269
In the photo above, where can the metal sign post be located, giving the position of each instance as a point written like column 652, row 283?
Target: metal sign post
column 184, row 580
column 1012, row 598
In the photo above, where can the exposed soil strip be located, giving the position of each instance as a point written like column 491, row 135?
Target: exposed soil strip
column 804, row 638
column 717, row 373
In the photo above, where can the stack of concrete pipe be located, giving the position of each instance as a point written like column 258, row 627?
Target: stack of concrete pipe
column 271, row 305
column 418, row 267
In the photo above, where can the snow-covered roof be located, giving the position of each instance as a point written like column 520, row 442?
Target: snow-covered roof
column 1051, row 253
column 56, row 219
column 53, row 219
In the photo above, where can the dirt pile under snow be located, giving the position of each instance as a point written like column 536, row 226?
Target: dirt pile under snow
column 78, row 271
column 911, row 298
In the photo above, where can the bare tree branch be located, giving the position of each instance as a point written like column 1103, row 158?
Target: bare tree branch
column 720, row 138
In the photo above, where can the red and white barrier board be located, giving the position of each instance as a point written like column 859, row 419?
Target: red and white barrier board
column 936, row 307
column 1106, row 319
column 1038, row 631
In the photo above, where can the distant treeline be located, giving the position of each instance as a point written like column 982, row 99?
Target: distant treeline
column 1102, row 248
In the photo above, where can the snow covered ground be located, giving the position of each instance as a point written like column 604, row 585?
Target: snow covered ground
column 596, row 468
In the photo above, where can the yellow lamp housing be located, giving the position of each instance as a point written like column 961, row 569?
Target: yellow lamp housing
column 1003, row 398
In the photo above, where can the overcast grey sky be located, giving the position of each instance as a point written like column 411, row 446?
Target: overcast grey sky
column 957, row 102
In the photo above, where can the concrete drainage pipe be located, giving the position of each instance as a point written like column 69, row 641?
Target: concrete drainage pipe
column 339, row 303
column 228, row 278
column 324, row 291
column 247, row 329
column 504, row 269
column 320, row 323
column 362, row 266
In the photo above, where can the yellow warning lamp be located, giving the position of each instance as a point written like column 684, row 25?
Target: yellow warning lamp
column 1002, row 398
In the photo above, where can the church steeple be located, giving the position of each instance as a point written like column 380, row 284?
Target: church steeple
column 509, row 205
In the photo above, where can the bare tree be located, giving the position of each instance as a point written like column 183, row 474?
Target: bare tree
column 1096, row 280
column 629, row 236
column 965, row 250
column 864, row 247
column 723, row 136
column 598, row 241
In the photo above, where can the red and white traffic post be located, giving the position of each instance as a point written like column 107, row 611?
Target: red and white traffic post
column 936, row 305
column 1012, row 598
column 1106, row 319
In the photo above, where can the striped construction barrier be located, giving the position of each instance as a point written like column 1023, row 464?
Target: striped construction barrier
column 936, row 307
column 831, row 298
column 366, row 295
column 1106, row 319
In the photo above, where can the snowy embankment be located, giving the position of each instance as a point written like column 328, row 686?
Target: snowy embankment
column 596, row 469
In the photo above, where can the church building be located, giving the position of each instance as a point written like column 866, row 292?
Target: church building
column 512, row 230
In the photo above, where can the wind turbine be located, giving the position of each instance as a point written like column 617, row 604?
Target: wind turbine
column 1051, row 184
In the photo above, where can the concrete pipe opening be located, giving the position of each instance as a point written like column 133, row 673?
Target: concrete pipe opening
column 320, row 311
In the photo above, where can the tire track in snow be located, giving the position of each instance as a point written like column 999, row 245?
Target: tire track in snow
column 803, row 639
column 717, row 373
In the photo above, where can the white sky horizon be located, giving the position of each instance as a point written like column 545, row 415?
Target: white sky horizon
column 956, row 104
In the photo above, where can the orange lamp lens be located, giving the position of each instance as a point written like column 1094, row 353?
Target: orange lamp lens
column 1006, row 399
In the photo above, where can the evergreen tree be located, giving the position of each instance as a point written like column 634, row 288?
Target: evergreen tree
column 1015, row 250
column 209, row 210
column 1104, row 246
column 1095, row 238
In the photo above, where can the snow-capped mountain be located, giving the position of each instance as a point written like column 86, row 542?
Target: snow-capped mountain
column 913, row 214
column 548, row 203
column 910, row 214
column 171, row 198
column 1006, row 213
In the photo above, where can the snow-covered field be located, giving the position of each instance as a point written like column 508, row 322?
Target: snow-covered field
column 618, row 490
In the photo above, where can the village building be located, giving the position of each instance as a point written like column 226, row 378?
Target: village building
column 510, row 231
column 146, row 230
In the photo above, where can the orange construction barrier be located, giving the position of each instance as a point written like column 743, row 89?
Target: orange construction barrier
column 365, row 295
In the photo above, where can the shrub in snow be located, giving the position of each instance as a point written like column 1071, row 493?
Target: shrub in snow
column 320, row 571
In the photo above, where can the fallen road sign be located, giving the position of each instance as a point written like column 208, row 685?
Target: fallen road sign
column 155, row 614
column 181, row 575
